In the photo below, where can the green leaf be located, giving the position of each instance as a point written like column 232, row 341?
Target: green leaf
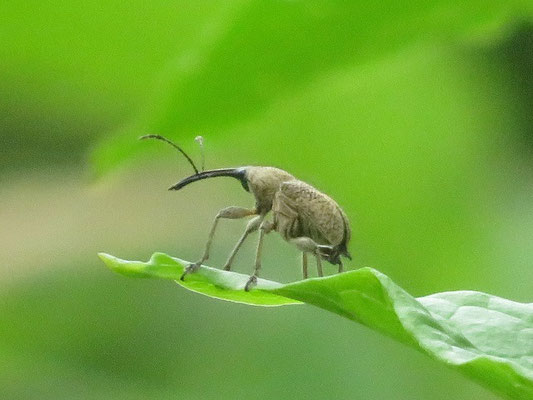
column 487, row 338
column 263, row 51
column 208, row 281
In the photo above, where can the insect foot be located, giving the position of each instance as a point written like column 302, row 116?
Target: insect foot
column 190, row 269
column 251, row 283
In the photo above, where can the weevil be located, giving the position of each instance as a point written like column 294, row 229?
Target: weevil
column 302, row 215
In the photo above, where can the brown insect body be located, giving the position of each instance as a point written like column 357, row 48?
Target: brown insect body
column 302, row 215
column 302, row 211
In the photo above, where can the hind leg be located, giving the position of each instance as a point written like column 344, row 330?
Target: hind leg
column 341, row 267
column 308, row 245
column 304, row 264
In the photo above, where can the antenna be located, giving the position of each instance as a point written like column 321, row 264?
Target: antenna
column 200, row 140
column 164, row 139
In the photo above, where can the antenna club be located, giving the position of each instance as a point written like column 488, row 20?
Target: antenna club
column 200, row 140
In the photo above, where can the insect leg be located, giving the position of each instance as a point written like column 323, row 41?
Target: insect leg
column 308, row 245
column 228, row 212
column 252, row 226
column 266, row 227
column 319, row 265
column 304, row 264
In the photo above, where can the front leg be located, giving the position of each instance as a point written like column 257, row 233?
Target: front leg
column 229, row 213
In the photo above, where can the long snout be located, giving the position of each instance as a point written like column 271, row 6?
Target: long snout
column 237, row 173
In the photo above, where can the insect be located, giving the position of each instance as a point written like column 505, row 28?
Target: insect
column 303, row 216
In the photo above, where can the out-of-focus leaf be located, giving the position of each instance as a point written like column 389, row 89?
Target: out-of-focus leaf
column 488, row 338
column 269, row 49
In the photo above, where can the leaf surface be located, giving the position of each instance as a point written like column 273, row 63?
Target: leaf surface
column 487, row 338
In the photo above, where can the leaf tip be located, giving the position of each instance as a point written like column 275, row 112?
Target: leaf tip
column 107, row 259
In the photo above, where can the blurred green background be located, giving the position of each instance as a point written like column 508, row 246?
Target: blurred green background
column 415, row 116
